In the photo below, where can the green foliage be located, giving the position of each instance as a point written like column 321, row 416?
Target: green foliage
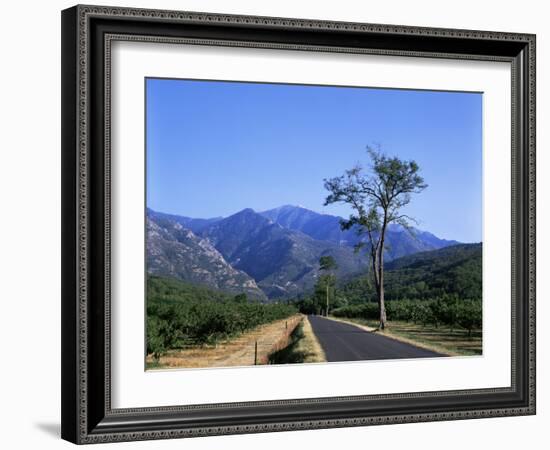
column 308, row 305
column 447, row 309
column 327, row 263
column 240, row 298
column 377, row 195
column 455, row 270
column 315, row 303
column 327, row 281
column 180, row 314
column 364, row 311
column 469, row 315
column 441, row 287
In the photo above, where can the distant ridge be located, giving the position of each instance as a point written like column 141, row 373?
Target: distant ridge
column 194, row 225
column 400, row 242
column 283, row 262
column 271, row 254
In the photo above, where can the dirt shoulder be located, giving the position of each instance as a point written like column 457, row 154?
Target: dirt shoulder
column 240, row 351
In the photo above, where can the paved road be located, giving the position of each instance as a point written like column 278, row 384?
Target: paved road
column 344, row 342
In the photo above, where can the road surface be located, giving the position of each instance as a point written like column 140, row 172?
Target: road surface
column 344, row 342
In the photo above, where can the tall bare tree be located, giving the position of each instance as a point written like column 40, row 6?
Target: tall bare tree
column 376, row 197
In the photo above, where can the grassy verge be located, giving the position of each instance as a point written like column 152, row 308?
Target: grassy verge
column 150, row 365
column 303, row 347
column 442, row 339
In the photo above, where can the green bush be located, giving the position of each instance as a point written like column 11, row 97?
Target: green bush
column 469, row 315
column 447, row 310
column 179, row 315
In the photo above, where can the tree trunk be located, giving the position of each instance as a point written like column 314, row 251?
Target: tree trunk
column 327, row 299
column 374, row 256
column 381, row 303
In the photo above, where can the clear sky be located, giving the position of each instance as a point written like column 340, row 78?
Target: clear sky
column 215, row 148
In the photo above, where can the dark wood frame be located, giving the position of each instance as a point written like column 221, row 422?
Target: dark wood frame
column 87, row 416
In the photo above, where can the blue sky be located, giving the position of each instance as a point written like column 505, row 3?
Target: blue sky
column 215, row 148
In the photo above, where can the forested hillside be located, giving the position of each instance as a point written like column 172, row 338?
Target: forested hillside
column 451, row 270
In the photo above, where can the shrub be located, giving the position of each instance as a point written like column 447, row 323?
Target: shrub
column 447, row 309
column 180, row 315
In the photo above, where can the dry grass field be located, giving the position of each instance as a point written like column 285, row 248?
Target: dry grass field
column 247, row 349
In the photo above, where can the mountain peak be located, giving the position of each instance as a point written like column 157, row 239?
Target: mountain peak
column 245, row 211
column 296, row 207
column 246, row 220
column 247, row 214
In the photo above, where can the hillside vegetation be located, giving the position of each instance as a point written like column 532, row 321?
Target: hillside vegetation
column 455, row 270
column 437, row 288
column 438, row 291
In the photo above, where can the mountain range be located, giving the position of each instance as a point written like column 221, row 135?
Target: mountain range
column 325, row 227
column 267, row 255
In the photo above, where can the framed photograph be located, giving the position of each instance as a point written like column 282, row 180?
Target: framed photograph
column 279, row 224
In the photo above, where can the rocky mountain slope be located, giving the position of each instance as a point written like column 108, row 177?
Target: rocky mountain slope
column 176, row 252
column 282, row 261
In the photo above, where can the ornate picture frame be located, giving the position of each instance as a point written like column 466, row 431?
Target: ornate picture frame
column 88, row 33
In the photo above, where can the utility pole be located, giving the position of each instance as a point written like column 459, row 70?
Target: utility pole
column 327, row 264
